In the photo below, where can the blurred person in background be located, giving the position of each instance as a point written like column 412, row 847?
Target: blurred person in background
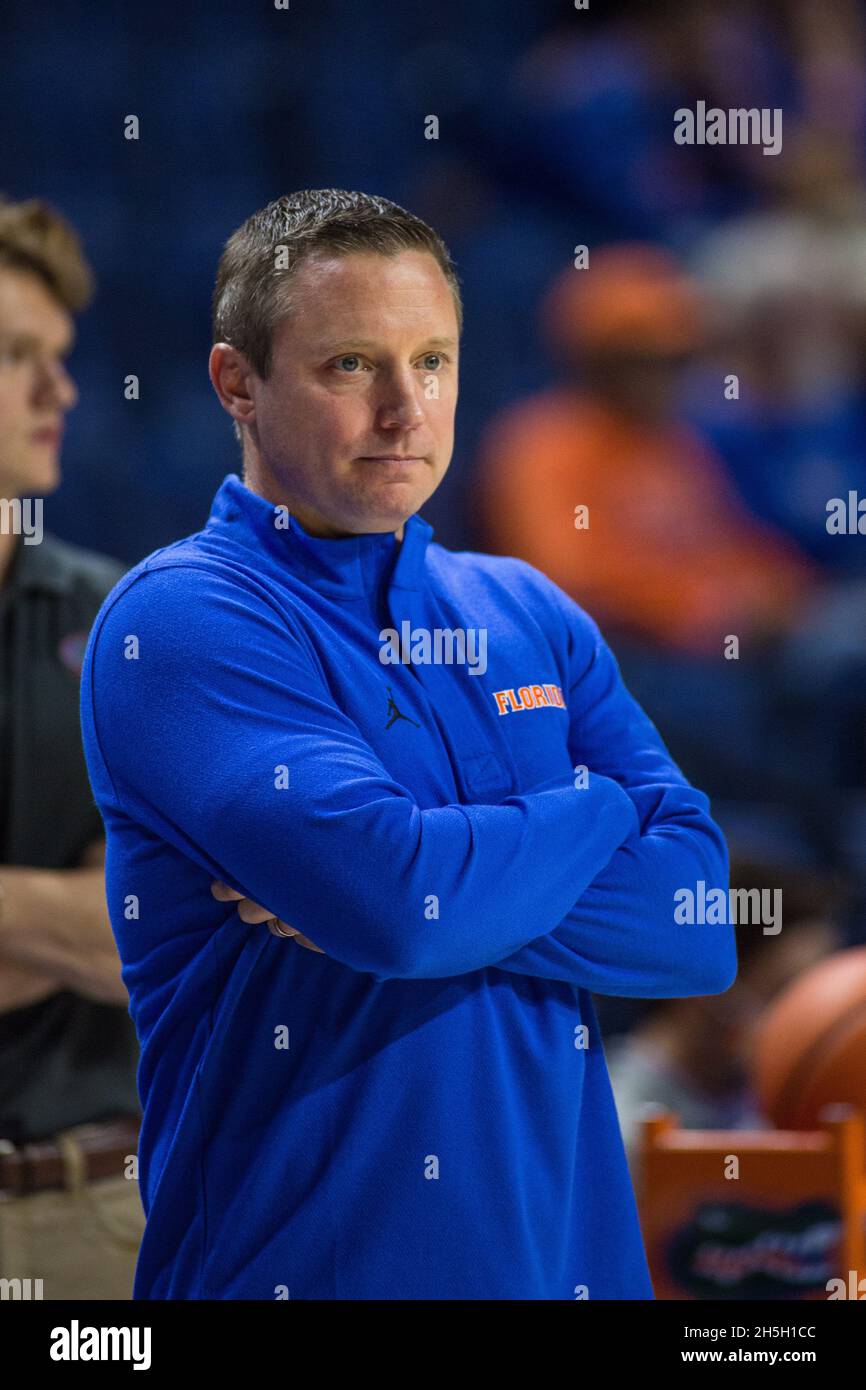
column 694, row 1056
column 68, row 1052
column 586, row 120
column 790, row 281
column 667, row 553
column 599, row 482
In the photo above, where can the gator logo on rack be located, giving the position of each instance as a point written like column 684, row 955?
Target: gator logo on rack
column 753, row 1251
column 529, row 697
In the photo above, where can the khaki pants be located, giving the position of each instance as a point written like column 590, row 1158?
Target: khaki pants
column 81, row 1241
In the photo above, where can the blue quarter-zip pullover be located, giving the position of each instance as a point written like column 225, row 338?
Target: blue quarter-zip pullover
column 424, row 1110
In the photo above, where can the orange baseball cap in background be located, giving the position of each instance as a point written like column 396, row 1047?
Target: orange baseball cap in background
column 631, row 298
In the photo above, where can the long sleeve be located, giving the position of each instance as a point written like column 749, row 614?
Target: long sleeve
column 218, row 731
column 620, row 937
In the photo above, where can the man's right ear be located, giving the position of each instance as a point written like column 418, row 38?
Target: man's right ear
column 230, row 375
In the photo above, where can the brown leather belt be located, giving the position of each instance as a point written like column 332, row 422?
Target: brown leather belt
column 35, row 1167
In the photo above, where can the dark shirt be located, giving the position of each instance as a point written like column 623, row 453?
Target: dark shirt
column 65, row 1060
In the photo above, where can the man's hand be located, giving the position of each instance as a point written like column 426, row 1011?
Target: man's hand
column 248, row 911
column 55, row 922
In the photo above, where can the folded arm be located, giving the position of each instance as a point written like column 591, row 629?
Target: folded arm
column 620, row 936
column 222, row 736
column 55, row 933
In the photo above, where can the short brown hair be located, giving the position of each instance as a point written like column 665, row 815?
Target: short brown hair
column 251, row 295
column 36, row 239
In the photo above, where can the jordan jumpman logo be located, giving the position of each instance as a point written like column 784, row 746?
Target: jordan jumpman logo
column 395, row 713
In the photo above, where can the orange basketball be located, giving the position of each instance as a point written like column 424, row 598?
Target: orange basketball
column 811, row 1044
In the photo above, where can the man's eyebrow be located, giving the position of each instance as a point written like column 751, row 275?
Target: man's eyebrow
column 30, row 341
column 337, row 344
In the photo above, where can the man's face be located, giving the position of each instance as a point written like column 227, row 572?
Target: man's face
column 35, row 389
column 354, row 428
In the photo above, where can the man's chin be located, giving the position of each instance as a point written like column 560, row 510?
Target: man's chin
column 392, row 506
column 41, row 477
column 384, row 520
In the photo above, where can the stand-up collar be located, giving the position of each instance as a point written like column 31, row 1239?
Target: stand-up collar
column 352, row 565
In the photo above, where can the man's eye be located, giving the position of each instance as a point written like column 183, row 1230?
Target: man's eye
column 14, row 352
column 350, row 357
column 435, row 357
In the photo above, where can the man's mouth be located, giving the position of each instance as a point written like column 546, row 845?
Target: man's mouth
column 48, row 434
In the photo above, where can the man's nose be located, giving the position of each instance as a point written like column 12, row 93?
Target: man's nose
column 56, row 385
column 401, row 404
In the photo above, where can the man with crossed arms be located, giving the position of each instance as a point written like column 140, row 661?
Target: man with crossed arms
column 417, row 1105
